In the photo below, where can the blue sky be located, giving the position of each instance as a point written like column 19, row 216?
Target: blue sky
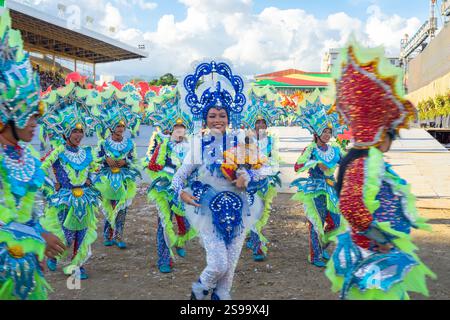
column 256, row 36
column 320, row 8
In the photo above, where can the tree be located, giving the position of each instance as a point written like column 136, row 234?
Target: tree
column 166, row 80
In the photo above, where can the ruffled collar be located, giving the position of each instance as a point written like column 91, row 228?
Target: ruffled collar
column 76, row 157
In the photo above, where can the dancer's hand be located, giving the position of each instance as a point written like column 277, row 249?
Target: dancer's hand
column 383, row 248
column 57, row 186
column 111, row 163
column 121, row 163
column 323, row 167
column 88, row 182
column 189, row 199
column 240, row 182
column 54, row 246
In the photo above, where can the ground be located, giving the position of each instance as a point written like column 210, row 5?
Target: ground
column 286, row 274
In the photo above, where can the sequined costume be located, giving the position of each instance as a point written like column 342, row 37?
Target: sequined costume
column 223, row 218
column 317, row 192
column 21, row 177
column 117, row 184
column 71, row 210
column 262, row 107
column 164, row 157
column 375, row 201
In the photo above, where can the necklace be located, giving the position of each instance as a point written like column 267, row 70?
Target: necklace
column 115, row 145
column 327, row 155
column 77, row 157
column 19, row 163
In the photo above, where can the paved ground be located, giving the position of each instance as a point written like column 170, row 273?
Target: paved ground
column 132, row 273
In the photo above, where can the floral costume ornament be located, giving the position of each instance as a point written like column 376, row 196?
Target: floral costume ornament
column 262, row 106
column 116, row 184
column 317, row 192
column 71, row 210
column 21, row 176
column 224, row 215
column 164, row 157
column 375, row 201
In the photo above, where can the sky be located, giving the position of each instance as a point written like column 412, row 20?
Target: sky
column 256, row 36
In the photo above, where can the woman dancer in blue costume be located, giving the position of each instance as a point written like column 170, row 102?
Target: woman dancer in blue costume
column 165, row 155
column 72, row 208
column 217, row 207
column 320, row 159
column 118, row 161
column 23, row 241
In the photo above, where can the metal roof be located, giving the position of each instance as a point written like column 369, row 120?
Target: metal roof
column 48, row 34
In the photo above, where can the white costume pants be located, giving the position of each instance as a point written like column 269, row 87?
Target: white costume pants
column 221, row 262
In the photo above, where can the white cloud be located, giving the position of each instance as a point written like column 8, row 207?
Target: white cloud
column 260, row 42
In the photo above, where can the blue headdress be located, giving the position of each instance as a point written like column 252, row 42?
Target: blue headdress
column 19, row 85
column 316, row 116
column 262, row 106
column 218, row 96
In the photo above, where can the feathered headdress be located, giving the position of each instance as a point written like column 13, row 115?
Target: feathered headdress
column 369, row 95
column 316, row 116
column 19, row 85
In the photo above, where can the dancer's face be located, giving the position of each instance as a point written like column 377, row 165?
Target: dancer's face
column 119, row 131
column 386, row 144
column 76, row 136
column 260, row 126
column 326, row 135
column 26, row 134
column 217, row 120
column 178, row 133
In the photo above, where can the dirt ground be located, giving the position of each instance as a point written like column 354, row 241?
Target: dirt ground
column 286, row 274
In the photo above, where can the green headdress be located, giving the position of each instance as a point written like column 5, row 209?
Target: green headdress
column 119, row 107
column 165, row 112
column 57, row 122
column 19, row 85
column 262, row 106
column 316, row 116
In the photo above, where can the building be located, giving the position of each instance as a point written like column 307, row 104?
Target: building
column 330, row 57
column 292, row 80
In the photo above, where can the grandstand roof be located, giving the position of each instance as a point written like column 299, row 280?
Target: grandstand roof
column 48, row 34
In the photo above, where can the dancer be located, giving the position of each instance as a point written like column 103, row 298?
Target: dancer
column 216, row 201
column 71, row 210
column 23, row 241
column 117, row 158
column 376, row 258
column 165, row 155
column 260, row 114
column 317, row 193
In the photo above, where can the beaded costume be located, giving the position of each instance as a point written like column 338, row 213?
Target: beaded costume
column 21, row 176
column 71, row 210
column 224, row 216
column 164, row 157
column 262, row 106
column 117, row 184
column 375, row 201
column 317, row 192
